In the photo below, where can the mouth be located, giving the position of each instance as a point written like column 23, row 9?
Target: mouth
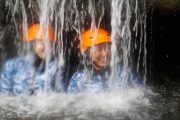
column 103, row 61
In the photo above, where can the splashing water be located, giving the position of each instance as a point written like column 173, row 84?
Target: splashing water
column 104, row 106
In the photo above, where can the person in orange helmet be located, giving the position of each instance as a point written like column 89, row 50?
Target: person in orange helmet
column 95, row 46
column 38, row 35
column 30, row 74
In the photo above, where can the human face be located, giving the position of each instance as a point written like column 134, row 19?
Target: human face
column 100, row 55
column 40, row 49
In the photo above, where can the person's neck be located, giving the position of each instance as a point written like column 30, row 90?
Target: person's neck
column 99, row 69
column 38, row 61
column 102, row 71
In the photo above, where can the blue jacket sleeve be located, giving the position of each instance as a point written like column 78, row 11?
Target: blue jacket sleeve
column 7, row 74
column 75, row 83
column 15, row 75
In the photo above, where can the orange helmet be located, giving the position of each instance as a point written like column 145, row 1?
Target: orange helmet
column 35, row 33
column 93, row 37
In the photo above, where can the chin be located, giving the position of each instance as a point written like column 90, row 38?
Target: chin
column 42, row 56
column 103, row 65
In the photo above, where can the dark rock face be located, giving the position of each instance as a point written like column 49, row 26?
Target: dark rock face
column 163, row 23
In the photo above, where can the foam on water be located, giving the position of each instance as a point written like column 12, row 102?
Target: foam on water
column 85, row 106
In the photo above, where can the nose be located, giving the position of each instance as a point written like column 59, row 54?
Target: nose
column 104, row 52
column 41, row 48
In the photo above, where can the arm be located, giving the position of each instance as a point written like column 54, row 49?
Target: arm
column 6, row 77
column 14, row 76
column 75, row 83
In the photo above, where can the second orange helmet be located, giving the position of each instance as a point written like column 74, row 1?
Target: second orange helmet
column 34, row 32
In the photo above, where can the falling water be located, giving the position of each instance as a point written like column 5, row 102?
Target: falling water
column 126, row 19
column 130, row 20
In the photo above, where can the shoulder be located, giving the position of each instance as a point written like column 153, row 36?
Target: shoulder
column 11, row 66
column 19, row 61
column 76, row 82
column 78, row 75
column 14, row 63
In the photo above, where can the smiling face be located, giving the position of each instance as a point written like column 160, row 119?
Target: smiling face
column 100, row 55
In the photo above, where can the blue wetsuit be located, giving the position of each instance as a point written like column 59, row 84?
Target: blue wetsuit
column 94, row 82
column 20, row 76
